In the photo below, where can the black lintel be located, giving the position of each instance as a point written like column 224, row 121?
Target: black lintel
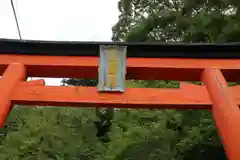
column 134, row 49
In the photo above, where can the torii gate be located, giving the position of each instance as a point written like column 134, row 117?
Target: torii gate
column 214, row 65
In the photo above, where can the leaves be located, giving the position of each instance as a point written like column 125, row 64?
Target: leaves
column 70, row 133
column 186, row 21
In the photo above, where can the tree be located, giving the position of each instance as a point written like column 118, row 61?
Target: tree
column 186, row 21
column 105, row 115
column 70, row 133
column 51, row 133
column 190, row 21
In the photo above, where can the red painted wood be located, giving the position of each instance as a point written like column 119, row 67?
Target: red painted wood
column 188, row 97
column 90, row 97
column 225, row 101
column 137, row 68
column 14, row 74
column 225, row 111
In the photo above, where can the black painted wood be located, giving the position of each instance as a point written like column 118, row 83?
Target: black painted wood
column 134, row 49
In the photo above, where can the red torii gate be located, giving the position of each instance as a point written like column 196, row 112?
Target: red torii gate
column 214, row 65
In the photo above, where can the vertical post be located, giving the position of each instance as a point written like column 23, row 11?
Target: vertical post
column 225, row 111
column 13, row 74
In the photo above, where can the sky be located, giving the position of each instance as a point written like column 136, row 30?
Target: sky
column 59, row 20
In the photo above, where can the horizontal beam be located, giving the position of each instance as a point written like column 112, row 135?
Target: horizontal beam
column 134, row 49
column 90, row 97
column 182, row 98
column 137, row 68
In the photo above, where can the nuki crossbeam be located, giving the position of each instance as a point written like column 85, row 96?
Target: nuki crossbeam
column 22, row 59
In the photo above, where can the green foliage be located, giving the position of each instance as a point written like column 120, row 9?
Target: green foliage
column 51, row 133
column 137, row 134
column 69, row 133
column 179, row 20
column 105, row 115
column 213, row 21
column 79, row 82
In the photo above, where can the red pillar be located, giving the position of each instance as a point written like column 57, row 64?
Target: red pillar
column 14, row 74
column 225, row 111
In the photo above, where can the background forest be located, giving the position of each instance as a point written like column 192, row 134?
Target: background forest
column 126, row 134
